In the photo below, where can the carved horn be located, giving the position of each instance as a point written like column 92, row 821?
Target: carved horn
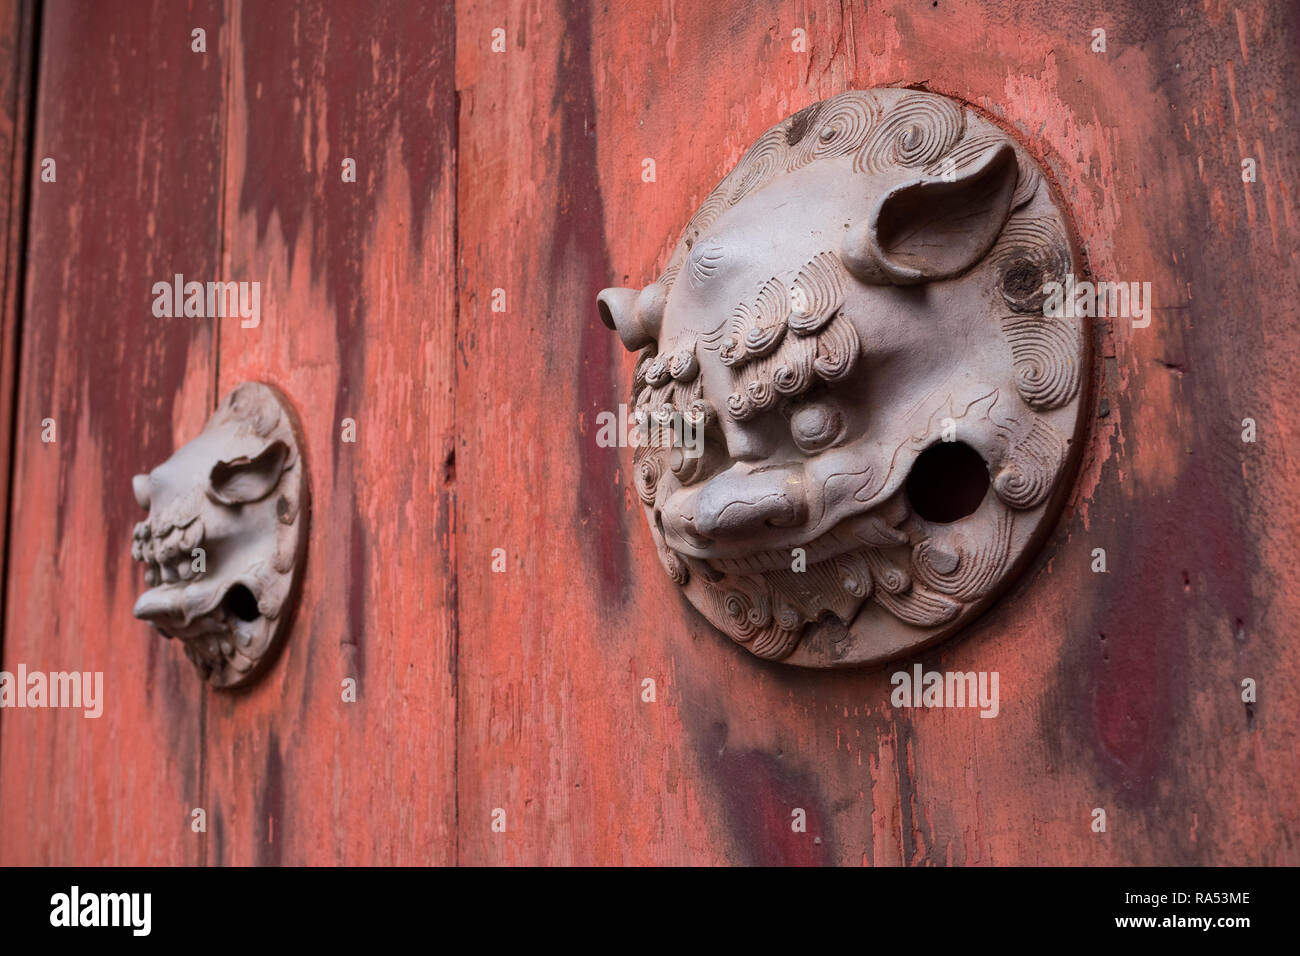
column 634, row 315
column 927, row 229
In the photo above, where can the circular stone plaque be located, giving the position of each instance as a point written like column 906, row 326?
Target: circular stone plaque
column 859, row 390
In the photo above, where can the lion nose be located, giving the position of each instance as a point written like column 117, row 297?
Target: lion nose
column 140, row 485
column 159, row 606
column 739, row 502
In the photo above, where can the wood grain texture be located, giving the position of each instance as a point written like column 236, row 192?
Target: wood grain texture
column 358, row 319
column 1119, row 691
column 17, row 51
column 228, row 166
column 133, row 120
column 520, row 171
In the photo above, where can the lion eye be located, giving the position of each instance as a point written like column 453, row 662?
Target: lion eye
column 816, row 426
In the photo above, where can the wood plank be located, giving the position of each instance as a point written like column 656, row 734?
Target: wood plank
column 17, row 52
column 358, row 320
column 133, row 120
column 1119, row 691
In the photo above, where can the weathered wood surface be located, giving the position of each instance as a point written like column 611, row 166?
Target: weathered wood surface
column 17, row 49
column 358, row 322
column 228, row 165
column 1119, row 691
column 521, row 690
column 134, row 123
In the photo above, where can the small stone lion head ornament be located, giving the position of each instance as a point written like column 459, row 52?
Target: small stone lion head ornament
column 225, row 536
column 854, row 417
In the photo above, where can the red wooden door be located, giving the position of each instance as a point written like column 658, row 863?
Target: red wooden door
column 235, row 170
column 444, row 302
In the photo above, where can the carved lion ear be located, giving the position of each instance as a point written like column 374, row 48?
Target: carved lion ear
column 245, row 480
column 635, row 316
column 928, row 229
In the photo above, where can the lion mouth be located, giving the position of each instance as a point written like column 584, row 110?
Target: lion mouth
column 852, row 534
column 828, row 545
column 166, row 549
column 184, row 610
column 181, row 602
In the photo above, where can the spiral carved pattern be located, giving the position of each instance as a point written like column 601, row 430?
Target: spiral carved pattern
column 1029, row 254
column 915, row 133
column 643, row 363
column 683, row 366
column 758, row 329
column 787, row 616
column 745, row 611
column 647, row 472
column 888, row 576
column 760, row 341
column 795, row 375
column 740, row 407
column 775, row 643
column 700, row 413
column 965, row 153
column 765, row 361
column 802, row 123
column 748, row 609
column 677, row 569
column 669, row 275
column 1046, row 356
column 1025, row 476
column 837, row 350
column 976, row 568
column 761, row 393
column 854, row 575
column 767, row 320
column 765, row 161
column 841, row 127
column 656, row 373
column 919, row 607
column 816, row 294
column 659, row 426
column 664, row 415
column 714, row 206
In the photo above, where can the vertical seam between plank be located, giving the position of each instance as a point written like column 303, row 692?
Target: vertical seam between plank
column 453, row 503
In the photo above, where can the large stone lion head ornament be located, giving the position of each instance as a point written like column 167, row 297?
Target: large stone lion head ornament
column 225, row 536
column 854, row 416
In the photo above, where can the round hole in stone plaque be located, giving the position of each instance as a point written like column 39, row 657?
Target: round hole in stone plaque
column 947, row 482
